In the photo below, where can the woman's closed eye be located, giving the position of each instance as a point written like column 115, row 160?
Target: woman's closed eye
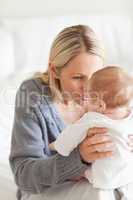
column 78, row 77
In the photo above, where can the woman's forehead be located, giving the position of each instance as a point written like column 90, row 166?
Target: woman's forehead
column 82, row 70
column 84, row 64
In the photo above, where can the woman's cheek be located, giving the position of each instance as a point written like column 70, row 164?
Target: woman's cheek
column 76, row 91
column 73, row 88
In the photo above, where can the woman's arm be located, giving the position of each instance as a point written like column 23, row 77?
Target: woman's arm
column 32, row 167
column 77, row 178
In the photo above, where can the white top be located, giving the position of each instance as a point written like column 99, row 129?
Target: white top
column 107, row 173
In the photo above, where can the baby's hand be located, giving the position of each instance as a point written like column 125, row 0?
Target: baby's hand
column 51, row 146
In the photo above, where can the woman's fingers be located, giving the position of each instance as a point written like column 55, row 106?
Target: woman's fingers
column 99, row 155
column 96, row 145
column 101, row 147
column 95, row 130
column 97, row 138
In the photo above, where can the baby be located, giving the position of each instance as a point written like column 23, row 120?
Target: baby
column 110, row 91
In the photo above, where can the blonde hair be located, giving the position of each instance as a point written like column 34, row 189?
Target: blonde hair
column 112, row 85
column 69, row 43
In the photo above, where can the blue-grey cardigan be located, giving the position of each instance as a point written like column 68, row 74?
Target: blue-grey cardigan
column 36, row 124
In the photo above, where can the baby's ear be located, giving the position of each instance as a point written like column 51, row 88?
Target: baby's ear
column 102, row 106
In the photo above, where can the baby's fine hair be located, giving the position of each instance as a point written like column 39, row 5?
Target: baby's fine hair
column 112, row 85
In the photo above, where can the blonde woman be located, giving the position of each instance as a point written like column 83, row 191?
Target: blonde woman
column 45, row 105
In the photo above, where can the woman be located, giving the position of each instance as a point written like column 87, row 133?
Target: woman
column 44, row 106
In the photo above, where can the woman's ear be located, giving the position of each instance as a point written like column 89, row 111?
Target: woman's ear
column 53, row 70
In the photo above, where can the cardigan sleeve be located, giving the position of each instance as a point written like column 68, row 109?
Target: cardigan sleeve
column 32, row 167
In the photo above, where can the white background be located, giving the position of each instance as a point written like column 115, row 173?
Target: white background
column 59, row 7
column 27, row 28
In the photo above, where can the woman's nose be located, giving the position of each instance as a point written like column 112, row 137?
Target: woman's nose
column 85, row 84
column 83, row 89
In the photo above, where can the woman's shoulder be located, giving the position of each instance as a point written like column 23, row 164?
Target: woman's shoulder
column 35, row 85
column 34, row 91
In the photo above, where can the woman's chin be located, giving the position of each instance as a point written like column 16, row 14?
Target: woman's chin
column 78, row 101
column 81, row 102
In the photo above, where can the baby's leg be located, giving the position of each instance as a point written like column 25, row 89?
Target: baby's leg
column 126, row 192
column 99, row 194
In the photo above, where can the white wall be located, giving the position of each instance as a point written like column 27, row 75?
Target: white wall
column 59, row 7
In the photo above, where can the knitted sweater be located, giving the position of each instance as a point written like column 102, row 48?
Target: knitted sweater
column 36, row 124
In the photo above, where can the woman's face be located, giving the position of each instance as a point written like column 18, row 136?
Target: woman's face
column 74, row 76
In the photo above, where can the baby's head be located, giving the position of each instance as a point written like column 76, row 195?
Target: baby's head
column 110, row 88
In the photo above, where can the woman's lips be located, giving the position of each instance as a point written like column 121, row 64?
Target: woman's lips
column 85, row 98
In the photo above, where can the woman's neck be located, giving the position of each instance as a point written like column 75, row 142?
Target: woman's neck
column 70, row 111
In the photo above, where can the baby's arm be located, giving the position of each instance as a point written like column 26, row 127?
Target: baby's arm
column 69, row 138
column 74, row 134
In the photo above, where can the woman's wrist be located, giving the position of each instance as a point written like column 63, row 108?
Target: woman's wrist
column 82, row 160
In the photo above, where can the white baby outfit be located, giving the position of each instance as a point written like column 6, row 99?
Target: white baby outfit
column 108, row 173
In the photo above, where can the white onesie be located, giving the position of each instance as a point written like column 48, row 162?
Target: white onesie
column 107, row 173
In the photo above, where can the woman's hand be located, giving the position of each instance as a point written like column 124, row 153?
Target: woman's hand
column 96, row 145
column 130, row 143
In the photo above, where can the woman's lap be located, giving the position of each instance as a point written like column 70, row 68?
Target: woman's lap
column 81, row 190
